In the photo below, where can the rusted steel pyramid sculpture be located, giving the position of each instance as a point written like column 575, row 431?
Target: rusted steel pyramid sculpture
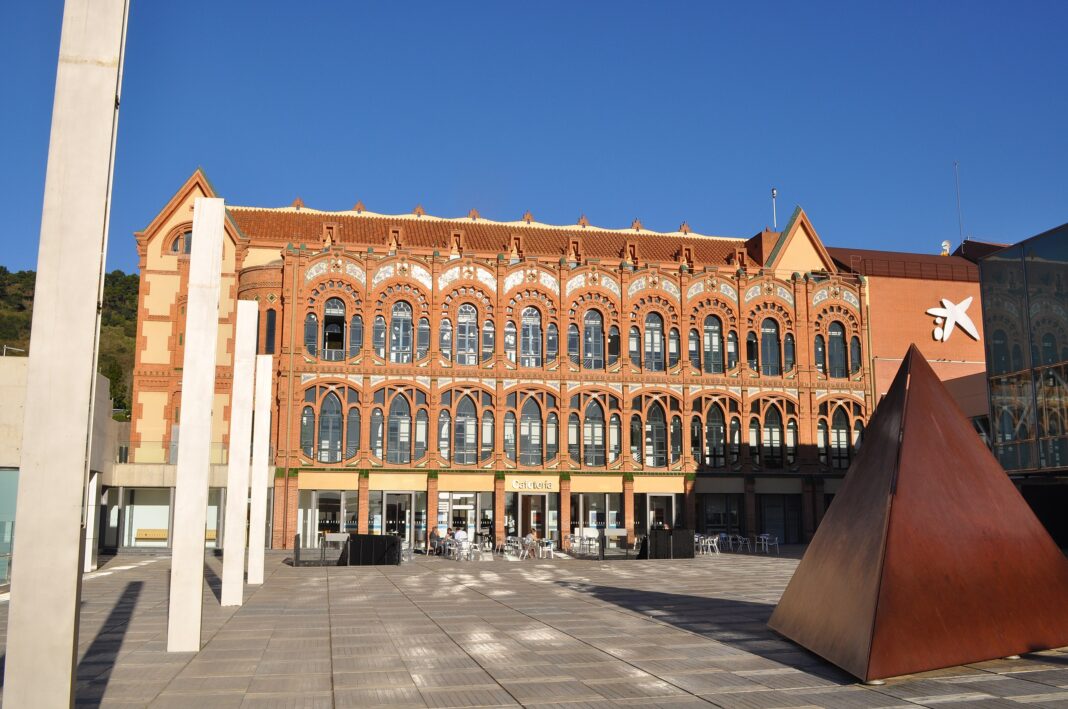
column 929, row 557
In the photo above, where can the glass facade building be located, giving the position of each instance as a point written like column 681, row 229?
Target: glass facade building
column 1025, row 311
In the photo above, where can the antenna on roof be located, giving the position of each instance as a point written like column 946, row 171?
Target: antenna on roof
column 960, row 215
column 774, row 215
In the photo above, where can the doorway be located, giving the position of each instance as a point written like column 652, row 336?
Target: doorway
column 532, row 513
column 399, row 515
column 661, row 511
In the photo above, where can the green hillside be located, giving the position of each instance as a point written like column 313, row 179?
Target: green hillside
column 118, row 325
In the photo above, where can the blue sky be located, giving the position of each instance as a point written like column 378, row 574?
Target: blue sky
column 666, row 111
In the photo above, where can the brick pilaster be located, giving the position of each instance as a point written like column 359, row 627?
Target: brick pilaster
column 565, row 513
column 628, row 509
column 364, row 504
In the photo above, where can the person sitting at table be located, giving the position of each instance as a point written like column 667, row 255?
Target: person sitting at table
column 460, row 535
column 448, row 533
column 435, row 540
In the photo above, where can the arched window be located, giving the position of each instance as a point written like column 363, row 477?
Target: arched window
column 509, row 435
column 307, row 431
column 334, row 330
column 466, row 435
column 735, row 440
column 311, row 334
column 695, row 349
column 676, row 439
column 751, row 352
column 635, row 347
column 771, row 362
column 574, row 446
column 509, row 341
column 593, row 435
column 422, row 339
column 754, row 440
column 376, row 433
column 791, row 441
column 183, row 243
column 552, row 437
column 654, row 342
column 487, row 435
column 613, row 345
column 530, row 446
column 636, row 438
column 269, row 328
column 530, row 339
column 732, row 349
column 771, row 444
column 655, row 437
column 836, row 350
column 400, row 334
column 444, row 434
column 713, row 345
column 445, row 338
column 820, row 354
column 378, row 336
column 858, row 435
column 352, row 433
column 355, row 335
column 715, row 437
column 674, row 347
column 788, row 353
column 592, row 340
column 467, row 335
column 821, row 441
column 615, row 438
column 330, row 429
column 573, row 343
column 552, row 343
column 488, row 334
column 399, row 428
column 854, row 355
column 700, row 457
column 839, row 439
column 422, row 431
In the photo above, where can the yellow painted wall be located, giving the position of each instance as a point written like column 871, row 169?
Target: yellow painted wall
column 156, row 334
column 152, row 426
column 223, row 358
column 658, row 484
column 397, row 481
column 162, row 291
column 596, row 483
column 800, row 255
column 465, row 482
column 311, row 480
column 261, row 256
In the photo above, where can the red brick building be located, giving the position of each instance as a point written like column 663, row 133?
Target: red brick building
column 509, row 376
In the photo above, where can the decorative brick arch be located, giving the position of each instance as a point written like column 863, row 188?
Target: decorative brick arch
column 406, row 291
column 467, row 294
column 842, row 314
column 723, row 309
column 544, row 302
column 653, row 302
column 770, row 309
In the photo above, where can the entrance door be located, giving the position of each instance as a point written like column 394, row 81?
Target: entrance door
column 532, row 513
column 660, row 511
column 399, row 515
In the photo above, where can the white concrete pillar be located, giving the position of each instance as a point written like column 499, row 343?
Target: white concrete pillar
column 261, row 468
column 233, row 580
column 42, row 629
column 194, row 443
column 92, row 522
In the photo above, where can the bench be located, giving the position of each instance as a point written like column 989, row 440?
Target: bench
column 151, row 535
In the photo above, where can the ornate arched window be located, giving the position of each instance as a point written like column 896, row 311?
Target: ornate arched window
column 573, row 343
column 270, row 317
column 854, row 355
column 771, row 443
column 593, row 441
column 674, row 347
column 311, row 334
column 422, row 339
column 615, row 438
column 574, row 438
column 352, row 430
column 510, row 341
column 613, row 345
column 820, row 354
column 634, row 346
column 732, row 349
column 336, row 409
column 552, row 437
column 530, row 339
column 355, row 335
column 655, row 436
column 713, row 345
column 509, row 435
column 400, row 334
column 399, row 431
column 488, row 335
column 840, row 443
column 836, row 350
column 695, row 349
column 592, row 340
column 771, row 356
column 530, row 433
column 654, row 342
column 183, row 244
column 307, row 431
column 465, row 438
column 333, row 330
column 552, row 343
column 487, row 435
column 444, row 434
column 467, row 335
column 445, row 338
column 788, row 352
column 715, row 437
column 407, row 424
column 378, row 336
column 735, row 440
column 466, row 408
column 676, row 439
column 751, row 352
column 376, row 433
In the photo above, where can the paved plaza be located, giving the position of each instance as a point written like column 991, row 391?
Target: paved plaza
column 436, row 633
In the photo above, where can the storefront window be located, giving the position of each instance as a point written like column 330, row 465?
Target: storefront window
column 147, row 512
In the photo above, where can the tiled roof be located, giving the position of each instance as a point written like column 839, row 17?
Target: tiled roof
column 897, row 264
column 482, row 236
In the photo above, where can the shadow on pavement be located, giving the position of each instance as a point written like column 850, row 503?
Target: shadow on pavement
column 101, row 655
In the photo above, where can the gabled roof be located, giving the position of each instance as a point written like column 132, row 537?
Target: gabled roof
column 197, row 181
column 798, row 237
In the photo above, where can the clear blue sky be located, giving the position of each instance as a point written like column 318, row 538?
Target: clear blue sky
column 664, row 111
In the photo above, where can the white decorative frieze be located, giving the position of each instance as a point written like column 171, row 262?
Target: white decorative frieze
column 636, row 285
column 752, row 391
column 423, row 381
column 486, row 278
column 305, row 378
column 382, row 274
column 737, row 391
column 851, row 298
column 549, row 281
column 513, row 280
column 356, row 272
column 509, row 383
column 728, row 290
column 695, row 289
column 753, row 292
column 610, row 284
column 574, row 283
column 376, row 380
column 422, row 276
column 447, row 277
column 616, row 386
column 670, row 288
column 785, row 294
column 819, row 296
column 315, row 270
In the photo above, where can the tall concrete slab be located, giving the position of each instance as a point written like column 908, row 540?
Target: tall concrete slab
column 261, row 472
column 46, row 583
column 194, row 443
column 233, row 580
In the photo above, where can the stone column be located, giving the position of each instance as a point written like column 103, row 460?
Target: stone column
column 194, row 443
column 261, row 467
column 92, row 522
column 233, row 579
column 42, row 631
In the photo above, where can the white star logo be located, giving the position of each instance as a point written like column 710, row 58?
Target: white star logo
column 950, row 315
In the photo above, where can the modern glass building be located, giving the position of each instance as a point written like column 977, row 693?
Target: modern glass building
column 1025, row 311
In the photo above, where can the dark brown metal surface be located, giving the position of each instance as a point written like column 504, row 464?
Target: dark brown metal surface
column 929, row 557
